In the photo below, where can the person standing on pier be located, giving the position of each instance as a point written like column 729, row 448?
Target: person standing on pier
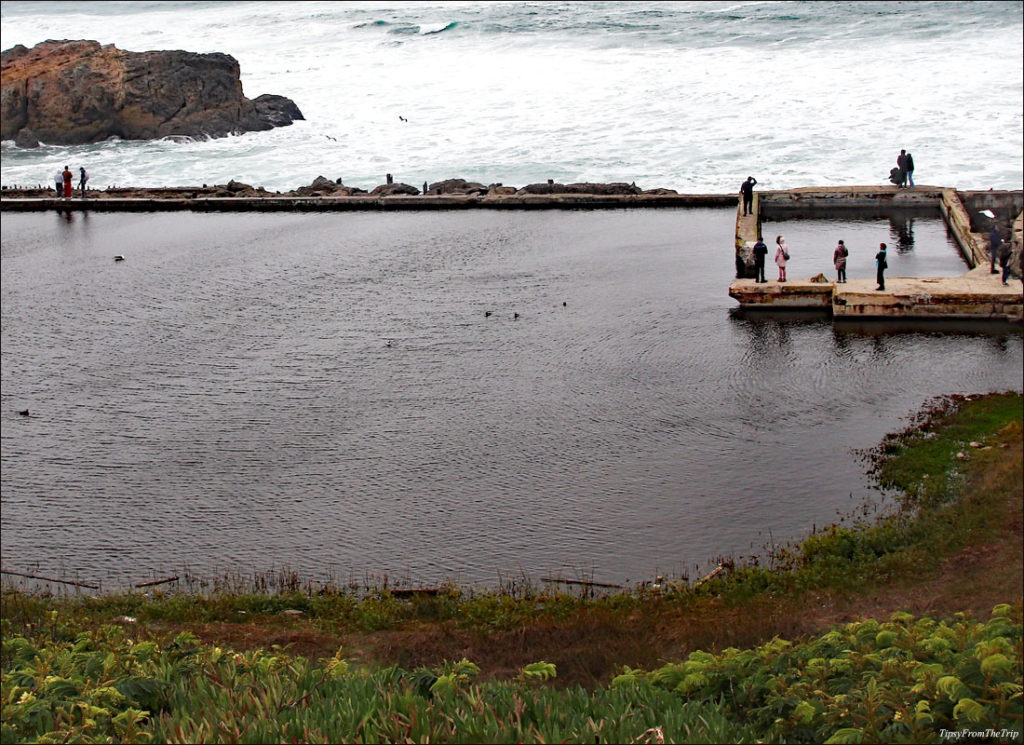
column 881, row 265
column 901, row 163
column 908, row 166
column 781, row 256
column 995, row 240
column 58, row 182
column 747, row 190
column 1005, row 253
column 839, row 259
column 66, row 175
column 760, row 254
column 83, row 177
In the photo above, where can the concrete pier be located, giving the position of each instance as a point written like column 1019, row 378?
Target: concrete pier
column 974, row 295
column 175, row 201
column 977, row 294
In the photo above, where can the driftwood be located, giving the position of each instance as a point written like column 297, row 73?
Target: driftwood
column 50, row 579
column 408, row 593
column 585, row 583
column 157, row 582
column 710, row 576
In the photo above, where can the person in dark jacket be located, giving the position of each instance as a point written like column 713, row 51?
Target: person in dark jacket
column 908, row 166
column 881, row 265
column 760, row 254
column 994, row 242
column 1005, row 253
column 747, row 190
column 839, row 260
column 901, row 163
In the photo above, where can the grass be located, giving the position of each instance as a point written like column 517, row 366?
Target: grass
column 952, row 546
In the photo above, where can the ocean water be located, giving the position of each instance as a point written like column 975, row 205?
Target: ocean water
column 693, row 96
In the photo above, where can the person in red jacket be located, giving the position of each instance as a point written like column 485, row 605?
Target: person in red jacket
column 67, row 176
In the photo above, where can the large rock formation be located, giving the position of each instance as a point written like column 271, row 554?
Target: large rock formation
column 76, row 92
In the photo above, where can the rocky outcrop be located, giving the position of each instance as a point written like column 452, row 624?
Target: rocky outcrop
column 77, row 92
column 389, row 190
column 324, row 187
column 617, row 188
column 456, row 186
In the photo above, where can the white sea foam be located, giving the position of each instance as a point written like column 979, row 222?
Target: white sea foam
column 691, row 96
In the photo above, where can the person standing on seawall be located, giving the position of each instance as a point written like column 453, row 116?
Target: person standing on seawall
column 994, row 242
column 839, row 259
column 83, row 177
column 747, row 190
column 1005, row 253
column 760, row 254
column 781, row 256
column 67, row 176
column 908, row 166
column 901, row 163
column 58, row 182
column 881, row 265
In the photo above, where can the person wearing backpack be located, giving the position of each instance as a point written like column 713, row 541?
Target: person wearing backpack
column 781, row 256
column 881, row 265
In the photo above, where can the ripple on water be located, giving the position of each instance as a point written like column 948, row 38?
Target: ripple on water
column 325, row 392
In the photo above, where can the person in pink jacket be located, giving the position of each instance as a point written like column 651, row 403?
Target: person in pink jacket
column 781, row 256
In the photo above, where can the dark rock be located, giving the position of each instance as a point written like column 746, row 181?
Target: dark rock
column 324, row 187
column 617, row 188
column 76, row 92
column 26, row 138
column 388, row 190
column 548, row 188
column 581, row 188
column 324, row 183
column 277, row 111
column 456, row 186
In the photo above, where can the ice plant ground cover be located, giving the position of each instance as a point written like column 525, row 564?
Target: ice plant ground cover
column 160, row 669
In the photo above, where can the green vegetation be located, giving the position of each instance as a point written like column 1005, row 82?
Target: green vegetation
column 900, row 681
column 227, row 666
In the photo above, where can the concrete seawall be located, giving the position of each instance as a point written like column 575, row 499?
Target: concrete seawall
column 176, row 202
column 977, row 294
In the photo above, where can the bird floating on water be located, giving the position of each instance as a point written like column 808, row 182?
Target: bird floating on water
column 24, row 412
column 119, row 257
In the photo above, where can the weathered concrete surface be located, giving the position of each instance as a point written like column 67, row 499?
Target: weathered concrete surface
column 798, row 293
column 814, row 201
column 748, row 230
column 1005, row 204
column 972, row 245
column 184, row 199
column 974, row 295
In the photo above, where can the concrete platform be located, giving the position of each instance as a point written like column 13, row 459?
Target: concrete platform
column 976, row 295
column 793, row 294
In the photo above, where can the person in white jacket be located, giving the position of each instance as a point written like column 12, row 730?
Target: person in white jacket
column 781, row 256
